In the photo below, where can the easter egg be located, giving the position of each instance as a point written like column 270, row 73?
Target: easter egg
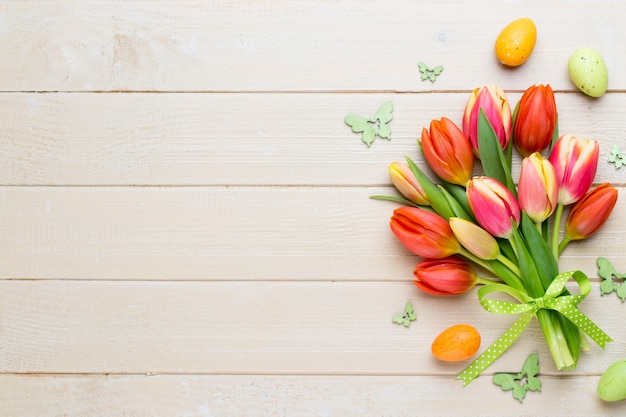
column 456, row 343
column 516, row 42
column 612, row 384
column 588, row 72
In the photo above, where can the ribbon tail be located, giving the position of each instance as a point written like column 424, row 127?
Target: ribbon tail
column 585, row 324
column 494, row 351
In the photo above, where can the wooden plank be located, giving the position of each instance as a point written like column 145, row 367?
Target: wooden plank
column 240, row 139
column 290, row 45
column 301, row 396
column 257, row 328
column 222, row 233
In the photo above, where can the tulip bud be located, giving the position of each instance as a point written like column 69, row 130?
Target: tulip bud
column 536, row 120
column 493, row 102
column 403, row 179
column 590, row 212
column 447, row 151
column 424, row 233
column 493, row 205
column 448, row 276
column 538, row 191
column 475, row 239
column 575, row 161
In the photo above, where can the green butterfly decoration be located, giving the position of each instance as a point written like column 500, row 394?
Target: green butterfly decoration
column 616, row 157
column 429, row 74
column 376, row 126
column 406, row 318
column 522, row 382
column 609, row 275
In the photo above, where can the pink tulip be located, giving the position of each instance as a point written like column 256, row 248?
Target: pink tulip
column 493, row 102
column 423, row 232
column 494, row 206
column 575, row 161
column 448, row 276
column 538, row 190
column 403, row 179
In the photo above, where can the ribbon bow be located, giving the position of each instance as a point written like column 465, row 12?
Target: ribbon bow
column 528, row 307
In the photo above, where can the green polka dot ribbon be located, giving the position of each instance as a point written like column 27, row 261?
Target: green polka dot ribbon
column 528, row 307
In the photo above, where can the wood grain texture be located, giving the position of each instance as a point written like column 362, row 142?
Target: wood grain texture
column 223, row 233
column 241, row 139
column 292, row 396
column 258, row 327
column 292, row 45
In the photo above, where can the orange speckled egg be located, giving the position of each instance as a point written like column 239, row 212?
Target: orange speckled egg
column 456, row 343
column 516, row 42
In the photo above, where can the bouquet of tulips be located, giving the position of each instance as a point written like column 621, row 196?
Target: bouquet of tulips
column 466, row 223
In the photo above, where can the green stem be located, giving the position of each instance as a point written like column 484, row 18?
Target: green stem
column 538, row 227
column 563, row 244
column 507, row 262
column 476, row 259
column 553, row 334
column 558, row 214
column 501, row 271
column 485, row 281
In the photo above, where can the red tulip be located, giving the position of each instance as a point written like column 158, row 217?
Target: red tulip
column 493, row 205
column 590, row 212
column 575, row 161
column 403, row 179
column 538, row 190
column 448, row 151
column 536, row 120
column 448, row 276
column 493, row 102
column 423, row 232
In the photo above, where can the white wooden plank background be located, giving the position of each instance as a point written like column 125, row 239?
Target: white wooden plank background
column 185, row 228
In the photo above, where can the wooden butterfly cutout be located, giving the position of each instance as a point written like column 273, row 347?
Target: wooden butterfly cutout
column 375, row 126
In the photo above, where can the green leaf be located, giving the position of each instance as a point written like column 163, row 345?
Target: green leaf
column 491, row 154
column 456, row 207
column 396, row 199
column 540, row 251
column 437, row 200
column 528, row 269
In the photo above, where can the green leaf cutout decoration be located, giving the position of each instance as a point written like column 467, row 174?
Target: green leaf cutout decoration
column 616, row 157
column 526, row 380
column 610, row 276
column 407, row 317
column 429, row 73
column 372, row 127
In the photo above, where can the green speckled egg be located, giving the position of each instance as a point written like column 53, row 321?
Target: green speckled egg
column 588, row 72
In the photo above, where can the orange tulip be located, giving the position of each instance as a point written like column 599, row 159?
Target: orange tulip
column 424, row 233
column 590, row 213
column 536, row 120
column 447, row 151
column 449, row 276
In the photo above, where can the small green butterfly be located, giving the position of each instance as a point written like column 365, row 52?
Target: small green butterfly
column 522, row 382
column 609, row 275
column 616, row 157
column 429, row 74
column 406, row 318
column 376, row 126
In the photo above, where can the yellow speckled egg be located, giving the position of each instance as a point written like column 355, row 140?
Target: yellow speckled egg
column 516, row 42
column 588, row 72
